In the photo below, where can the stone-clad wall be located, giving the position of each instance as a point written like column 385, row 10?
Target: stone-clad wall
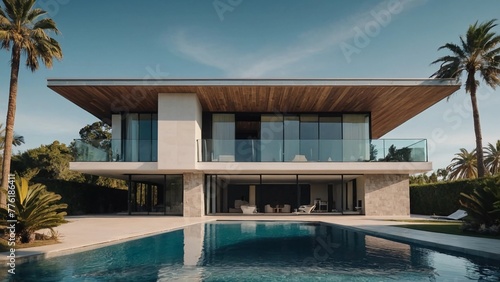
column 387, row 194
column 194, row 203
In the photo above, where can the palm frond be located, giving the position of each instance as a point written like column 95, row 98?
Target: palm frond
column 34, row 14
column 35, row 208
column 478, row 52
column 492, row 158
column 33, row 34
column 463, row 165
column 46, row 24
column 455, row 49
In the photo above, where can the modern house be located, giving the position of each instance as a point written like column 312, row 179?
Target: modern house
column 196, row 147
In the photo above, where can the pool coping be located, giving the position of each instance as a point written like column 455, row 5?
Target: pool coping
column 488, row 254
column 382, row 229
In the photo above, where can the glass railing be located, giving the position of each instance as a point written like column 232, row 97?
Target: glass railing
column 116, row 150
column 372, row 150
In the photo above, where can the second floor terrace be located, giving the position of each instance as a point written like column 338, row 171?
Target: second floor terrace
column 254, row 150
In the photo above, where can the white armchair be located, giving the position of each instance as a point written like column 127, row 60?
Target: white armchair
column 268, row 209
column 286, row 209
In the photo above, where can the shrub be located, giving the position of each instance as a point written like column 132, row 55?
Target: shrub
column 443, row 198
column 34, row 208
column 83, row 198
column 484, row 217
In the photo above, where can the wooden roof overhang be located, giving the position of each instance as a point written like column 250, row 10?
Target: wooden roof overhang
column 391, row 102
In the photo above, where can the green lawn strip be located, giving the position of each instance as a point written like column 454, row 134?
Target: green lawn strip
column 446, row 228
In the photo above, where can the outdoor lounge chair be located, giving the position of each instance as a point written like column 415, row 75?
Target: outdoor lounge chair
column 459, row 214
column 306, row 208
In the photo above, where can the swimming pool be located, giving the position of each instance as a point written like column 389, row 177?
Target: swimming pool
column 260, row 251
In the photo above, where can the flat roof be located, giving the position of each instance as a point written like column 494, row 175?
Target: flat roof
column 391, row 102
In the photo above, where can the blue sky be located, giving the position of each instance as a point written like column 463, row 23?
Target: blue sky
column 255, row 39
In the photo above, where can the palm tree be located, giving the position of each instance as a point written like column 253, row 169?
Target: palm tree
column 478, row 52
column 443, row 173
column 492, row 158
column 464, row 165
column 16, row 141
column 23, row 29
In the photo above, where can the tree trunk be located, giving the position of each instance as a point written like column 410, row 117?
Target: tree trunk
column 9, row 124
column 477, row 127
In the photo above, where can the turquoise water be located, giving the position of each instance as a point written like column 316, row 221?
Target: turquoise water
column 265, row 251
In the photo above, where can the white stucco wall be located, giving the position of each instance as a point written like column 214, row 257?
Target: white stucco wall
column 179, row 127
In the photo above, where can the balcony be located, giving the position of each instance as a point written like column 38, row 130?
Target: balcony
column 369, row 150
column 116, row 150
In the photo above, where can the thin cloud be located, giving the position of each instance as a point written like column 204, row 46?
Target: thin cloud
column 212, row 51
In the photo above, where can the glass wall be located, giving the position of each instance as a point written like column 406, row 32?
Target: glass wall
column 291, row 132
column 309, row 131
column 174, row 195
column 335, row 194
column 156, row 194
column 290, row 137
column 131, row 145
column 271, row 138
column 356, row 136
column 330, row 139
column 223, row 134
column 140, row 142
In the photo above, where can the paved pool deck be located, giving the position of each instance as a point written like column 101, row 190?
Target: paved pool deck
column 89, row 232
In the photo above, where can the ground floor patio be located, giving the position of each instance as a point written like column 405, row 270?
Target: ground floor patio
column 198, row 194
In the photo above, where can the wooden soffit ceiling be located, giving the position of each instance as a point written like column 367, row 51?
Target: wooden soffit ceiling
column 390, row 102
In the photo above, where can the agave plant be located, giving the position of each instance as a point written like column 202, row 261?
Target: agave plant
column 35, row 208
column 483, row 205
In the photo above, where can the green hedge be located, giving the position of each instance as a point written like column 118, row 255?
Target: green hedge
column 85, row 198
column 442, row 198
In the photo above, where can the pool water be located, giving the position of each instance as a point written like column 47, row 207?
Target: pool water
column 260, row 251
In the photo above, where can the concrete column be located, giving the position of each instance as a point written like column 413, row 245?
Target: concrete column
column 251, row 194
column 194, row 204
column 387, row 195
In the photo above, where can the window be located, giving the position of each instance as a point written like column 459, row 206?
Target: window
column 141, row 137
column 356, row 135
column 271, row 138
column 223, row 133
